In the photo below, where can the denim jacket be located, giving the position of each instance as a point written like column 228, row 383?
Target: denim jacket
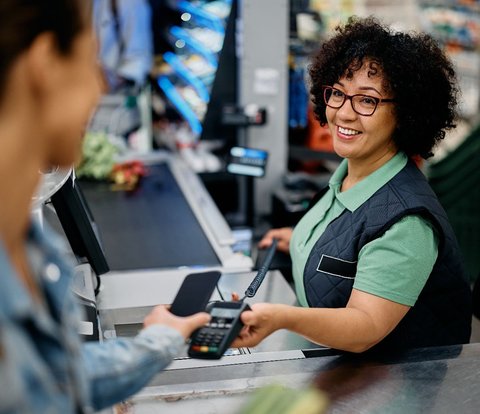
column 44, row 366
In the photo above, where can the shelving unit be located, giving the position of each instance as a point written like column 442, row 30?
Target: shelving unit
column 218, row 59
column 456, row 24
column 188, row 75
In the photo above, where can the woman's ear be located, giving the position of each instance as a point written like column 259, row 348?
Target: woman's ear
column 43, row 63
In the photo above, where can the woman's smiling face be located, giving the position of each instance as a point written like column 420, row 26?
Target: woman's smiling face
column 363, row 138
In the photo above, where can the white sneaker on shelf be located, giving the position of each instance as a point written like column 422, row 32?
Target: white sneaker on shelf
column 211, row 161
column 193, row 159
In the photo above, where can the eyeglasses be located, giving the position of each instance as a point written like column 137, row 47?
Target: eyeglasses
column 364, row 105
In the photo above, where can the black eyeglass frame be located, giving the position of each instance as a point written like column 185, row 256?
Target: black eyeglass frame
column 350, row 98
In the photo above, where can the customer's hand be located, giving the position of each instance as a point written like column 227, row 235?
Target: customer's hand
column 283, row 235
column 260, row 322
column 160, row 315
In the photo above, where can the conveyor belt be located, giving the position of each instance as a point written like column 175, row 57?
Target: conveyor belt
column 150, row 227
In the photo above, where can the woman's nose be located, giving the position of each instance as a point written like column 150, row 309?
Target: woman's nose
column 346, row 110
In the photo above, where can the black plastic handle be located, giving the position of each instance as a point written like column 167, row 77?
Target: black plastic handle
column 262, row 271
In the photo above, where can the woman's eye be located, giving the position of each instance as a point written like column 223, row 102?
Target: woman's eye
column 337, row 94
column 368, row 100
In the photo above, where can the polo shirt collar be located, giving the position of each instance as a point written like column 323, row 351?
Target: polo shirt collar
column 363, row 190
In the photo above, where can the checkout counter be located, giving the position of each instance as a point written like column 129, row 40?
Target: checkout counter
column 169, row 227
column 440, row 380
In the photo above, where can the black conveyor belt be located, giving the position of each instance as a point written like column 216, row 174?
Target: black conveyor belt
column 150, row 227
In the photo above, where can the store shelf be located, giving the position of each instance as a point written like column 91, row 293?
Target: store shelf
column 468, row 5
column 179, row 33
column 182, row 71
column 456, row 25
column 180, row 104
column 193, row 76
column 201, row 16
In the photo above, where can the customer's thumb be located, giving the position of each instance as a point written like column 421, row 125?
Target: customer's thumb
column 198, row 320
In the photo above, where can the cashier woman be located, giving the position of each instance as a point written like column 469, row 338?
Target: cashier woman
column 49, row 84
column 375, row 262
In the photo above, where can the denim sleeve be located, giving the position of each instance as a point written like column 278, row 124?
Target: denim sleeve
column 119, row 368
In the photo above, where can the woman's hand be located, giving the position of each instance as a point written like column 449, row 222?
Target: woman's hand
column 160, row 315
column 283, row 235
column 365, row 321
column 260, row 322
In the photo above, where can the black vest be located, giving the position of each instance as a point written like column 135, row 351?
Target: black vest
column 443, row 312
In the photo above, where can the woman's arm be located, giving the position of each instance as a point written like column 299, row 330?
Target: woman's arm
column 364, row 322
column 119, row 368
column 389, row 267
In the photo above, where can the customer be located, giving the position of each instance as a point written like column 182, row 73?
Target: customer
column 375, row 261
column 124, row 31
column 49, row 83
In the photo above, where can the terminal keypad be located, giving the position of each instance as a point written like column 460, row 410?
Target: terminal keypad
column 210, row 337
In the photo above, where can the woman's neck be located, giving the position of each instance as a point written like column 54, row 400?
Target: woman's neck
column 359, row 169
column 22, row 155
column 20, row 163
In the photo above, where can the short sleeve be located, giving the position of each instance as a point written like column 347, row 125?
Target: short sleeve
column 396, row 266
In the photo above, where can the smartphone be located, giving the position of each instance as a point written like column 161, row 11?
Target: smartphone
column 194, row 293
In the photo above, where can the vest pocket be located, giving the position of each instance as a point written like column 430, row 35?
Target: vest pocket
column 335, row 266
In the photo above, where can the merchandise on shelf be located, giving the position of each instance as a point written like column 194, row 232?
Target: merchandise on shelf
column 186, row 76
column 456, row 24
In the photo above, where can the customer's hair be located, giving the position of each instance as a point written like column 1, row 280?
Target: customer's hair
column 416, row 72
column 21, row 21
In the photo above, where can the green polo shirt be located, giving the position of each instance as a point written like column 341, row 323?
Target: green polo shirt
column 394, row 266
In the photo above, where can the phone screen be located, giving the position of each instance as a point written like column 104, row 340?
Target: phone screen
column 194, row 293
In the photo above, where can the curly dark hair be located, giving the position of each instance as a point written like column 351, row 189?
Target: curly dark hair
column 415, row 70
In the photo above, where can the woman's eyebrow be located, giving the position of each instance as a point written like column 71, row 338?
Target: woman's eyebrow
column 369, row 88
column 361, row 88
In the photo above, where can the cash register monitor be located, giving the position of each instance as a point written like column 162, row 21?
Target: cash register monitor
column 78, row 225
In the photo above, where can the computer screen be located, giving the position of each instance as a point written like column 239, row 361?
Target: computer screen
column 78, row 225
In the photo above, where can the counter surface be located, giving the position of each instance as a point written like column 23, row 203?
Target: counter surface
column 434, row 380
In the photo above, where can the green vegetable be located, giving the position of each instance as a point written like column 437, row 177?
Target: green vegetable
column 278, row 399
column 98, row 156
